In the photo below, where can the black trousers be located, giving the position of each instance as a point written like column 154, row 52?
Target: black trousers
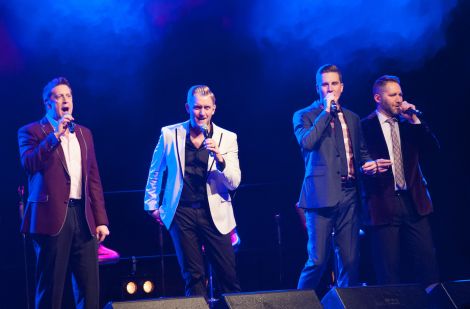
column 410, row 235
column 74, row 251
column 191, row 228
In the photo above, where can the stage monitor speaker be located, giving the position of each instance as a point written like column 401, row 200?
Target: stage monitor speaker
column 450, row 295
column 383, row 297
column 284, row 299
column 166, row 303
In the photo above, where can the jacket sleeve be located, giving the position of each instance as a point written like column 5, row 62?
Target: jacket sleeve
column 231, row 174
column 309, row 134
column 426, row 139
column 155, row 177
column 364, row 152
column 34, row 152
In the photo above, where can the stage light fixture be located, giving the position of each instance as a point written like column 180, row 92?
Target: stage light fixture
column 148, row 286
column 131, row 287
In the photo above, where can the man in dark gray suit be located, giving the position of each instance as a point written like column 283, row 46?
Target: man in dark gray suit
column 335, row 154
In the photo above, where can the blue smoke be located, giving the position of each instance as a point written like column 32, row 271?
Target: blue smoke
column 405, row 31
column 93, row 38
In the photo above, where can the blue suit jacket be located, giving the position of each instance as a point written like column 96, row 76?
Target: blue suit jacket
column 322, row 182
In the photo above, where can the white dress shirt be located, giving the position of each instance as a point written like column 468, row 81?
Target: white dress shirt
column 73, row 158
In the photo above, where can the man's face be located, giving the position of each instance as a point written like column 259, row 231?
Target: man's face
column 389, row 99
column 200, row 110
column 59, row 102
column 329, row 83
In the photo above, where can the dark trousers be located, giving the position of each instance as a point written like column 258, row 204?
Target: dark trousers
column 410, row 234
column 73, row 251
column 191, row 228
column 341, row 219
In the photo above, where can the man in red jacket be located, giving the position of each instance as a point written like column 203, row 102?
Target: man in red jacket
column 65, row 214
column 398, row 203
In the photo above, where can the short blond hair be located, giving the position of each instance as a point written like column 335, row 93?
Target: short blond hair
column 201, row 90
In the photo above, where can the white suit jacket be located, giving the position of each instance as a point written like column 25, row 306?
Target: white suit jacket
column 170, row 154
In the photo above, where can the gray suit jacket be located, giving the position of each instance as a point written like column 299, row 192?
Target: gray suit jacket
column 322, row 182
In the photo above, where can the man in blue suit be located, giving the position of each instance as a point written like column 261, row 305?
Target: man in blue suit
column 335, row 155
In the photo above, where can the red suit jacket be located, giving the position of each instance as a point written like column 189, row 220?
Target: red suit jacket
column 379, row 189
column 43, row 159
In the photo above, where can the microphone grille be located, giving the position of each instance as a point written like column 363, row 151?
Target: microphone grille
column 205, row 130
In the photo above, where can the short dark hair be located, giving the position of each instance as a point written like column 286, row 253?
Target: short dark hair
column 46, row 93
column 382, row 81
column 328, row 68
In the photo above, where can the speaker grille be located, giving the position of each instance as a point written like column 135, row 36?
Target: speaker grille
column 273, row 299
column 167, row 303
column 383, row 297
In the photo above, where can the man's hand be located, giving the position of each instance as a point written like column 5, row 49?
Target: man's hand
column 62, row 127
column 101, row 232
column 327, row 101
column 411, row 118
column 211, row 145
column 377, row 166
column 156, row 215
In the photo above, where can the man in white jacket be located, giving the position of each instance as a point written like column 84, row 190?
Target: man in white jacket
column 201, row 160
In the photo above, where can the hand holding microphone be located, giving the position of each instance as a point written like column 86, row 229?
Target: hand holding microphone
column 66, row 122
column 207, row 139
column 410, row 112
column 210, row 144
column 331, row 104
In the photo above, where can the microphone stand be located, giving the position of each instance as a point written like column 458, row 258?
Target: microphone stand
column 162, row 262
column 25, row 257
column 277, row 218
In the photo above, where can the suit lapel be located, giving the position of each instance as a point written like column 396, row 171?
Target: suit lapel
column 181, row 133
column 47, row 128
column 217, row 137
column 377, row 136
column 83, row 148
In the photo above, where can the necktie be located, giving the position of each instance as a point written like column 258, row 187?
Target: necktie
column 397, row 158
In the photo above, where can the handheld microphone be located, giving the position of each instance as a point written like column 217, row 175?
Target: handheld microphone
column 71, row 125
column 205, row 132
column 412, row 112
column 333, row 107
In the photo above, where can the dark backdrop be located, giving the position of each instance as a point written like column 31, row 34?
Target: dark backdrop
column 131, row 63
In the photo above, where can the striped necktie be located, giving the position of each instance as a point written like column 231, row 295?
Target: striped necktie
column 397, row 158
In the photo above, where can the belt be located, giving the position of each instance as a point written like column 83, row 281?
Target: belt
column 348, row 182
column 193, row 204
column 73, row 202
column 402, row 192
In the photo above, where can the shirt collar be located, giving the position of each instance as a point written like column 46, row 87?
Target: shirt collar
column 382, row 117
column 53, row 122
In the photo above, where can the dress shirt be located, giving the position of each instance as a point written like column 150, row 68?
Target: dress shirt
column 73, row 159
